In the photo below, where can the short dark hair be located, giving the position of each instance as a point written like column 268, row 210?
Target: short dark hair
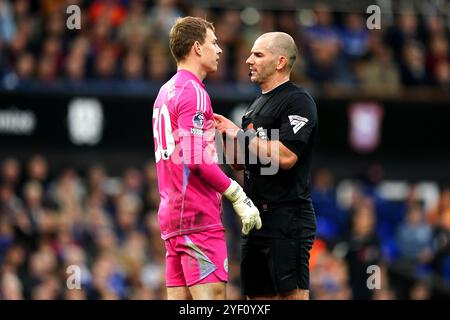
column 184, row 33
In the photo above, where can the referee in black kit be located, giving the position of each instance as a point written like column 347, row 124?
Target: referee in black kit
column 280, row 125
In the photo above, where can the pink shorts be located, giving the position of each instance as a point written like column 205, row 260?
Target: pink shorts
column 196, row 258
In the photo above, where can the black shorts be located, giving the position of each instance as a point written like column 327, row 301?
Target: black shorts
column 275, row 259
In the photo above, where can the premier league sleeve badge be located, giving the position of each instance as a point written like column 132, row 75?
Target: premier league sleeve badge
column 198, row 120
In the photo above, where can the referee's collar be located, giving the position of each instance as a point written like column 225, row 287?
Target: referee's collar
column 275, row 87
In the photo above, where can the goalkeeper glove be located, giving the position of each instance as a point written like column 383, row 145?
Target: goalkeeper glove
column 244, row 207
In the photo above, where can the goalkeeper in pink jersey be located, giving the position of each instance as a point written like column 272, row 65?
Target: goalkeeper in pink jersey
column 190, row 182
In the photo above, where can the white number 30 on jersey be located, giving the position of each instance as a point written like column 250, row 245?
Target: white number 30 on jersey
column 162, row 133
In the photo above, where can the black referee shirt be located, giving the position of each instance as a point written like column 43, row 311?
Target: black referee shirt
column 292, row 111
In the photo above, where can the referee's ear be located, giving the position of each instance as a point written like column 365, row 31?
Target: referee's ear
column 282, row 63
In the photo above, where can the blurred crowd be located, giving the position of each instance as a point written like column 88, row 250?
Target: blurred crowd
column 401, row 228
column 127, row 40
column 106, row 226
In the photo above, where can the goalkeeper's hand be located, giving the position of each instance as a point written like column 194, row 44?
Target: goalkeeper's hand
column 244, row 207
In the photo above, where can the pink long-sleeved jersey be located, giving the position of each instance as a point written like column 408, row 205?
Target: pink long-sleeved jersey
column 189, row 180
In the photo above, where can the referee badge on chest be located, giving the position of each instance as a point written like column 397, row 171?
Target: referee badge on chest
column 262, row 133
